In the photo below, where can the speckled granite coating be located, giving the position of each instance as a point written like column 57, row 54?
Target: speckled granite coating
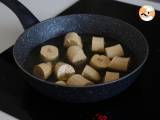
column 82, row 24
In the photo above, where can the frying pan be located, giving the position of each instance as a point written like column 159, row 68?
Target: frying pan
column 37, row 33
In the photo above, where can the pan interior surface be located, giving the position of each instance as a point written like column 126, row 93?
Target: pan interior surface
column 35, row 59
column 52, row 31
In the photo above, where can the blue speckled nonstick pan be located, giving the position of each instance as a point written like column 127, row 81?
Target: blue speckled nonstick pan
column 36, row 33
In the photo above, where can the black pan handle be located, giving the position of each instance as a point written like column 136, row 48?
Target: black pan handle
column 26, row 18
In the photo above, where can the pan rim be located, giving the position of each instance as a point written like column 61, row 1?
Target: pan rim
column 94, row 85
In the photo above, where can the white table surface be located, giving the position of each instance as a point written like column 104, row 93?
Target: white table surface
column 156, row 5
column 5, row 116
column 10, row 27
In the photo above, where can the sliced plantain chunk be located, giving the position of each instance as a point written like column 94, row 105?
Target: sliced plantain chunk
column 98, row 44
column 49, row 53
column 60, row 82
column 43, row 70
column 78, row 80
column 76, row 54
column 63, row 71
column 71, row 39
column 119, row 64
column 110, row 76
column 91, row 74
column 99, row 61
column 58, row 65
column 116, row 50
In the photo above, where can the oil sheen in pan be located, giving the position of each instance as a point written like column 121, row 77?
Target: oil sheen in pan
column 34, row 56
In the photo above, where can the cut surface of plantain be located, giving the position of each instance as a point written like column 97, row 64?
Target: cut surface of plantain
column 43, row 70
column 99, row 61
column 60, row 82
column 98, row 44
column 111, row 76
column 63, row 71
column 71, row 39
column 119, row 63
column 58, row 65
column 91, row 74
column 116, row 50
column 49, row 53
column 78, row 80
column 76, row 55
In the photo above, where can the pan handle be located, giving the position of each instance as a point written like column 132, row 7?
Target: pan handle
column 26, row 18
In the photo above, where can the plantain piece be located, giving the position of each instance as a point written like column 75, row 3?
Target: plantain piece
column 99, row 61
column 49, row 53
column 43, row 70
column 76, row 55
column 111, row 76
column 63, row 71
column 91, row 74
column 78, row 80
column 98, row 44
column 60, row 83
column 58, row 65
column 116, row 50
column 119, row 64
column 72, row 39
